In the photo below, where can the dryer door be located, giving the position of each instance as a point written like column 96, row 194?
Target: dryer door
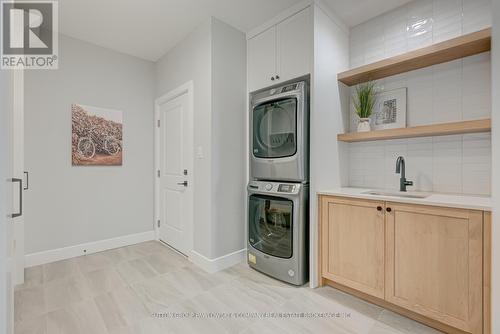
column 275, row 129
column 271, row 225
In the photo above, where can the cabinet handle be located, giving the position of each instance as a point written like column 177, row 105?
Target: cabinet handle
column 272, row 78
column 379, row 208
column 277, row 77
column 388, row 209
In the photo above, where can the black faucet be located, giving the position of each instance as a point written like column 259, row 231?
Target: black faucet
column 400, row 168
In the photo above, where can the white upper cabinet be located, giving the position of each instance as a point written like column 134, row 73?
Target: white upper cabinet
column 295, row 47
column 282, row 52
column 262, row 59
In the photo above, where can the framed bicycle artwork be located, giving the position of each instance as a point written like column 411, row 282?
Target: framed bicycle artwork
column 96, row 136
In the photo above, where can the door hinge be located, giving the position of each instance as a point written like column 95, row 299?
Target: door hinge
column 158, row 223
column 158, row 173
column 158, row 123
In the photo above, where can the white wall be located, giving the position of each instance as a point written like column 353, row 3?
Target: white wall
column 229, row 112
column 454, row 91
column 496, row 167
column 68, row 205
column 331, row 55
column 213, row 57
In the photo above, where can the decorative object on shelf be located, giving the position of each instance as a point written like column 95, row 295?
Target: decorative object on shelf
column 390, row 110
column 364, row 101
column 96, row 137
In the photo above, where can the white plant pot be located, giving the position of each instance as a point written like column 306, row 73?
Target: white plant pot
column 364, row 125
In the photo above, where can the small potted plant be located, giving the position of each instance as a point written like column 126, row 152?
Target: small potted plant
column 364, row 101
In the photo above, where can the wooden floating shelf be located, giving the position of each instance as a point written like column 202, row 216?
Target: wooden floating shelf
column 463, row 46
column 442, row 129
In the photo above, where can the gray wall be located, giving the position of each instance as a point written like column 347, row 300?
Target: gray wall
column 191, row 60
column 229, row 112
column 68, row 205
column 214, row 58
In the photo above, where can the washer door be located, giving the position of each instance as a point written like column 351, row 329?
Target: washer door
column 271, row 225
column 275, row 129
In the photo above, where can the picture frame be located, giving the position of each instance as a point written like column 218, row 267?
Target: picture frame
column 390, row 110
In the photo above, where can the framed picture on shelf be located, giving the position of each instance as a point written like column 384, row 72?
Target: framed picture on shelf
column 390, row 110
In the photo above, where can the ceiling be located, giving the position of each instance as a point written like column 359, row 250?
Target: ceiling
column 150, row 28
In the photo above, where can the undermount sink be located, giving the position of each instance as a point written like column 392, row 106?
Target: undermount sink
column 396, row 194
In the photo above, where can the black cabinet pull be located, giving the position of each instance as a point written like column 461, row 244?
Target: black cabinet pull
column 388, row 209
column 20, row 213
column 379, row 208
column 27, row 181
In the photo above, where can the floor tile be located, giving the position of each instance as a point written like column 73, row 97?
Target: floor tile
column 121, row 308
column 36, row 325
column 157, row 294
column 60, row 293
column 79, row 318
column 29, row 303
column 104, row 280
column 135, row 271
column 93, row 262
column 60, row 269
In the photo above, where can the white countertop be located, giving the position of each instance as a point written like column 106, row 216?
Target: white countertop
column 482, row 203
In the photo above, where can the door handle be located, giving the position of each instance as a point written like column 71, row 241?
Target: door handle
column 185, row 183
column 27, row 181
column 20, row 213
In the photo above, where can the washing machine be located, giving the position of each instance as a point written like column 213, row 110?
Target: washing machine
column 278, row 230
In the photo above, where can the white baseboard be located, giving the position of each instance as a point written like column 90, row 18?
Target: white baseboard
column 54, row 255
column 217, row 264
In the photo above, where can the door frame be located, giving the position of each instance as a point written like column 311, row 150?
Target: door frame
column 186, row 88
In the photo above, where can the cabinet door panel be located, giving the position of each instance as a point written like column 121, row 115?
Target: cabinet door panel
column 434, row 263
column 353, row 244
column 295, row 46
column 262, row 59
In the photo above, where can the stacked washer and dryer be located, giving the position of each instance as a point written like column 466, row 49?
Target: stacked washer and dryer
column 278, row 191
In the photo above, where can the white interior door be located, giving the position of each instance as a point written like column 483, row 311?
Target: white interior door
column 174, row 162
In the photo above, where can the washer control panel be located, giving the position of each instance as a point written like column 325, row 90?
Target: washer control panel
column 286, row 188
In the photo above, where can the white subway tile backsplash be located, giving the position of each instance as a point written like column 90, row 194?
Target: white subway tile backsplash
column 447, row 164
column 419, row 24
column 476, row 88
column 453, row 91
column 447, row 16
column 476, row 15
column 420, row 103
column 447, row 92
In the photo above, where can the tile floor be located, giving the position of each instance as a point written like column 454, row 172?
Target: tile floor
column 118, row 291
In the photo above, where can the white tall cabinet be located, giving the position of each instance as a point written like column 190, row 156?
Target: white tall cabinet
column 281, row 52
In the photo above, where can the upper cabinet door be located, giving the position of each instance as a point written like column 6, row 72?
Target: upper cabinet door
column 295, row 47
column 262, row 59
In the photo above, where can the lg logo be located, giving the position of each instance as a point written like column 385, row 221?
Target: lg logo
column 29, row 34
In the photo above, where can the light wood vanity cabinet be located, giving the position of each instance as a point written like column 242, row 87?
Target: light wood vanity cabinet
column 353, row 244
column 422, row 261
